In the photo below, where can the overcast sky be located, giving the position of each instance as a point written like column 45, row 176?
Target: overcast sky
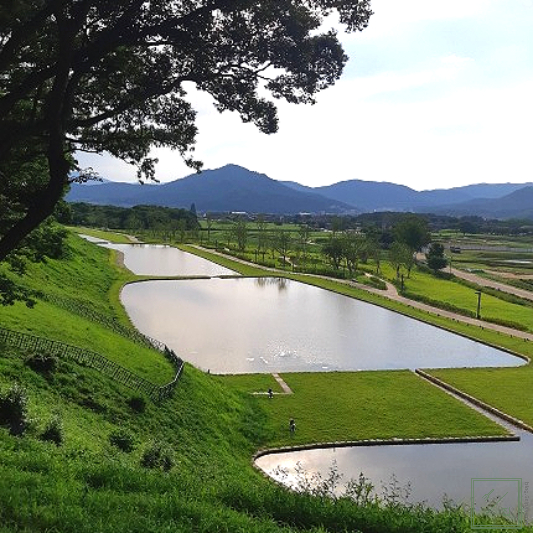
column 436, row 94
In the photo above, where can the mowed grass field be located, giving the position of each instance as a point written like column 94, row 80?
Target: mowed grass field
column 346, row 406
column 449, row 292
column 508, row 389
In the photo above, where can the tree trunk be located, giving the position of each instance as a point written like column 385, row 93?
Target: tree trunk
column 42, row 207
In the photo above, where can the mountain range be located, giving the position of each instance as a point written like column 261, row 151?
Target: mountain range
column 235, row 189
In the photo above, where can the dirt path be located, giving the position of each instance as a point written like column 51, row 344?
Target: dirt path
column 392, row 294
column 509, row 275
column 484, row 282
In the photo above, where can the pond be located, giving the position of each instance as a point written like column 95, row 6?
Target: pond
column 277, row 325
column 430, row 472
column 162, row 260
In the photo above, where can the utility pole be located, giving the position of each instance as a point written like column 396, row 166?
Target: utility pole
column 478, row 313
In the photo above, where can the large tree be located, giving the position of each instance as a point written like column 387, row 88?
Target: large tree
column 111, row 75
column 413, row 231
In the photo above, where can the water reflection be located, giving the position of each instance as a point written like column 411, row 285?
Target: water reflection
column 281, row 283
column 162, row 260
column 271, row 325
column 433, row 472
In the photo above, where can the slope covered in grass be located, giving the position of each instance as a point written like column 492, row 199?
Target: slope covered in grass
column 84, row 284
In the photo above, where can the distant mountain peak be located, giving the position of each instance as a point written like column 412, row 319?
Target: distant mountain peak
column 232, row 187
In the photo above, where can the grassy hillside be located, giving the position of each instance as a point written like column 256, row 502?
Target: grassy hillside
column 206, row 434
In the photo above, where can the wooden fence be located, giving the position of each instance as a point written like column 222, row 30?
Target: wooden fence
column 94, row 360
column 85, row 311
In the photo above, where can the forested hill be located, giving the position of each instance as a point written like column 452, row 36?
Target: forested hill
column 236, row 189
column 227, row 189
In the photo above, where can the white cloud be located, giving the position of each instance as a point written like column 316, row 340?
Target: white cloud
column 446, row 117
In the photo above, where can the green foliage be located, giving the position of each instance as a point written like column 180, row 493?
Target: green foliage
column 138, row 218
column 113, row 78
column 137, row 404
column 47, row 241
column 413, row 231
column 158, row 455
column 123, row 440
column 43, row 363
column 435, row 257
column 14, row 409
column 53, row 432
column 334, row 251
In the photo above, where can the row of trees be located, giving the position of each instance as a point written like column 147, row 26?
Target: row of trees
column 342, row 250
column 136, row 219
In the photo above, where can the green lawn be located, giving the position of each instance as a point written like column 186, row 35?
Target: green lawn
column 508, row 389
column 345, row 406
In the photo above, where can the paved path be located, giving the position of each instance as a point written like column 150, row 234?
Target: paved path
column 284, row 387
column 392, row 294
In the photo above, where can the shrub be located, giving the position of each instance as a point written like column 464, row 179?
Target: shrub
column 53, row 431
column 14, row 409
column 158, row 455
column 137, row 404
column 123, row 440
column 43, row 363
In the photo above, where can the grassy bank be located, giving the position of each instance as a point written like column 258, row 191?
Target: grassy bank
column 85, row 283
column 206, row 433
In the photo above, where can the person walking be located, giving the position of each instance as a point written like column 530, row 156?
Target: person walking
column 292, row 426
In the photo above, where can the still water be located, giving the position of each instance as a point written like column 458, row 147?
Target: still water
column 274, row 325
column 434, row 471
column 161, row 260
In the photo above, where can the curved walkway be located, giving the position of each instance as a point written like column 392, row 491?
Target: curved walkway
column 392, row 294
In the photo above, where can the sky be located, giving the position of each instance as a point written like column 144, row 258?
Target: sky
column 436, row 94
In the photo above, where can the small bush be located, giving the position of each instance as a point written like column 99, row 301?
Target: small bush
column 123, row 440
column 53, row 431
column 137, row 404
column 14, row 409
column 91, row 403
column 43, row 363
column 157, row 455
